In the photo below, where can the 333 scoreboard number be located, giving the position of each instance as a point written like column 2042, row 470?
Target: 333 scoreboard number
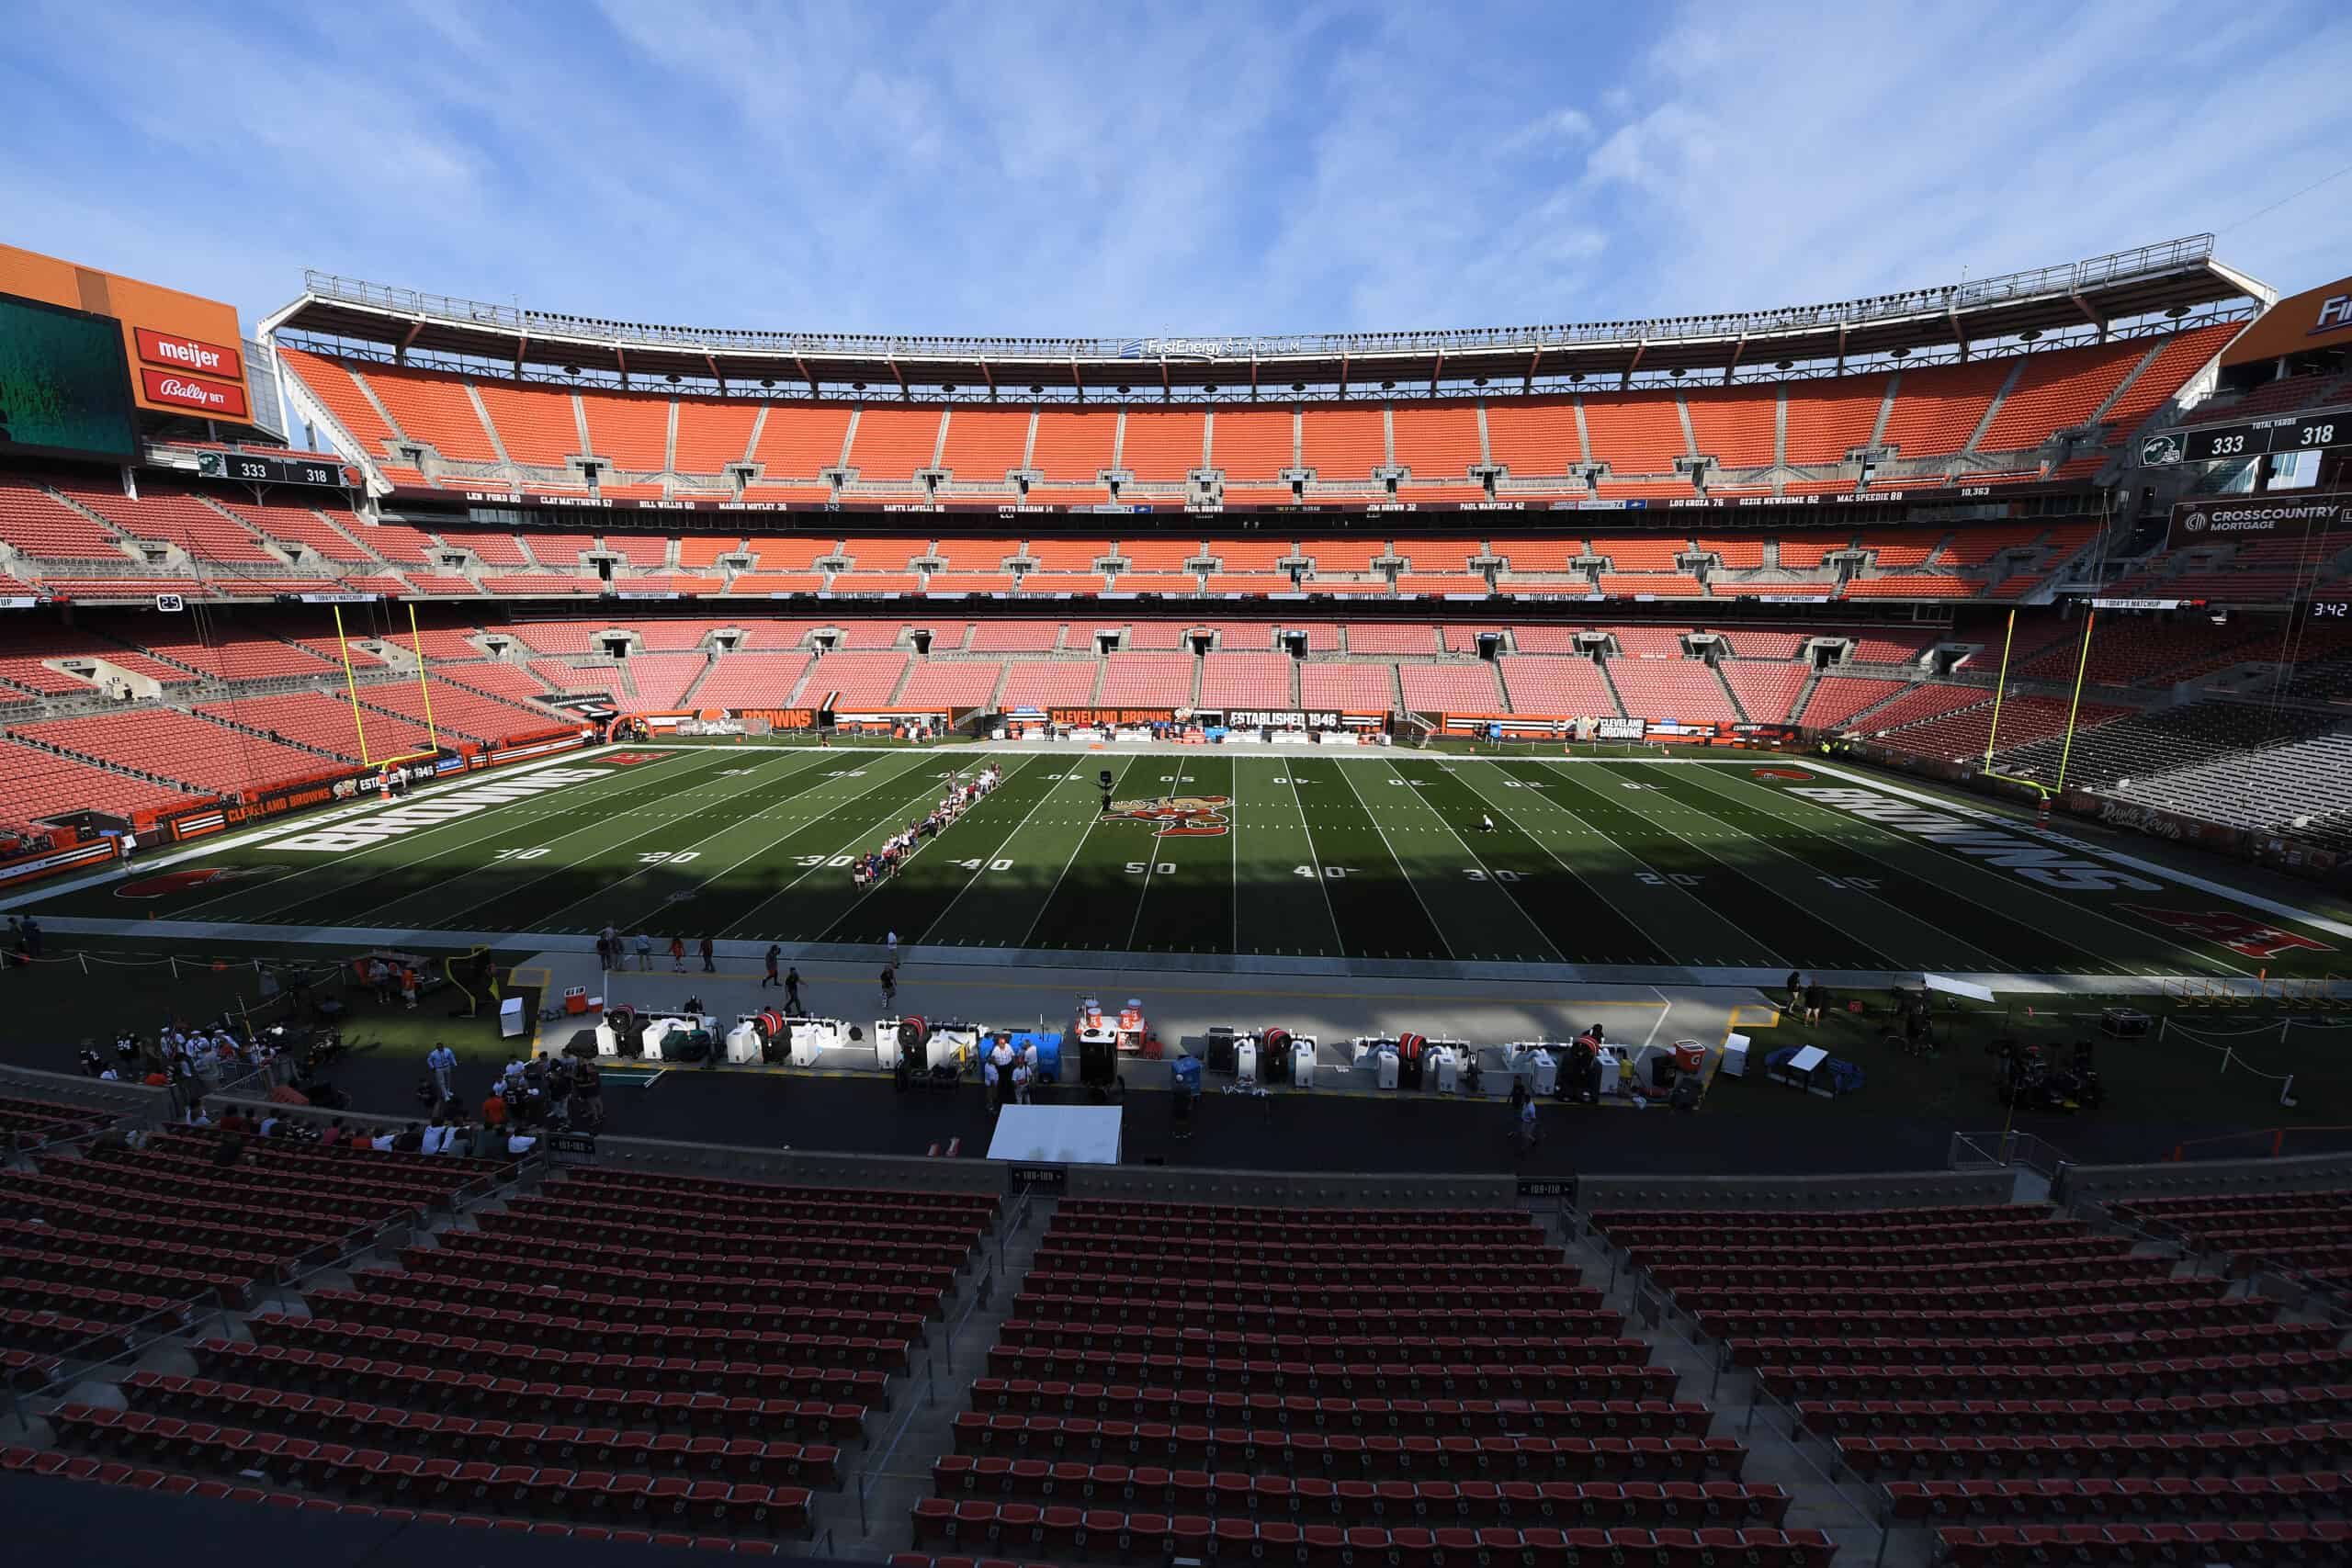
column 267, row 471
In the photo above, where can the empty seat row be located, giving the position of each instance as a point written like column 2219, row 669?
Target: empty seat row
column 1323, row 1500
column 2232, row 1451
column 325, row 1375
column 2084, row 1380
column 2175, row 1412
column 1565, row 1376
column 718, row 1241
column 373, row 1475
column 588, row 1319
column 2090, row 1545
column 2238, row 1338
column 1346, row 1454
column 2289, row 1495
column 459, row 1268
column 1059, row 1533
column 2191, row 1305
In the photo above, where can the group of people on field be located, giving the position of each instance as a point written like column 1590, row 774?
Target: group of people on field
column 870, row 870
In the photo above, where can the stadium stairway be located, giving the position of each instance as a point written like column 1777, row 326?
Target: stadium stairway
column 1730, row 696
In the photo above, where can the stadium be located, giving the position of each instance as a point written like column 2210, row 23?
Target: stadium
column 1419, row 948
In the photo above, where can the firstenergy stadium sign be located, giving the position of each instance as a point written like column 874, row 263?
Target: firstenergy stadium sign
column 2221, row 522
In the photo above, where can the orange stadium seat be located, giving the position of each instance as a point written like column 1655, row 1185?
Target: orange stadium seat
column 1634, row 433
column 1435, row 441
column 2059, row 390
column 1451, row 688
column 431, row 408
column 891, row 442
column 799, row 441
column 985, row 443
column 1685, row 690
column 1535, row 435
column 1246, row 680
column 40, row 525
column 1251, row 444
column 1351, row 688
column 1827, row 419
column 536, row 424
column 1567, row 687
column 2182, row 356
column 1767, row 689
column 1049, row 682
column 1734, row 425
column 633, row 432
column 712, row 432
column 1073, row 446
column 1163, row 445
column 959, row 684
column 1147, row 680
column 331, row 383
column 1343, row 443
column 1938, row 407
column 753, row 679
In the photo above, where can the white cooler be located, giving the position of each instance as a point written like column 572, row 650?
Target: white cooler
column 744, row 1044
column 1735, row 1062
column 1448, row 1062
column 607, row 1042
column 1388, row 1065
column 1302, row 1061
column 1546, row 1073
column 953, row 1046
column 1244, row 1061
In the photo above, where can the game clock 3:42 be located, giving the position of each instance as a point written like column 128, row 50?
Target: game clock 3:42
column 2335, row 611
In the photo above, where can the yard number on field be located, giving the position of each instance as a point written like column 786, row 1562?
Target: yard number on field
column 1497, row 874
column 985, row 864
column 1329, row 873
column 1142, row 868
column 520, row 854
column 1660, row 879
column 668, row 857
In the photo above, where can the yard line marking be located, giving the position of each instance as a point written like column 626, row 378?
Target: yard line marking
column 2148, row 868
column 1618, row 909
column 736, row 924
column 496, row 821
column 1959, row 943
column 1314, row 859
column 1942, row 854
column 1019, row 766
column 1076, row 849
column 547, row 919
column 1402, row 874
column 1491, row 879
column 1843, row 819
column 1774, row 894
column 939, row 919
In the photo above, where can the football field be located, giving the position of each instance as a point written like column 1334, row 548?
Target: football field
column 1750, row 864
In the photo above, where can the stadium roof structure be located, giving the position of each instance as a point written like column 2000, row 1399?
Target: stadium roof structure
column 2168, row 279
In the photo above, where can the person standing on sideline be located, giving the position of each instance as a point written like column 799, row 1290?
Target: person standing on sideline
column 775, row 951
column 677, row 955
column 32, row 937
column 1527, row 1133
column 1020, row 1081
column 792, row 992
column 442, row 1063
column 707, row 966
column 1796, row 991
column 644, row 950
column 890, row 988
column 990, row 1085
column 894, row 950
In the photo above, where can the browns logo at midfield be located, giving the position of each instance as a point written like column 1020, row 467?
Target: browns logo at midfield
column 1178, row 815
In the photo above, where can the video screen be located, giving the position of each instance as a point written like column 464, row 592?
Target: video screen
column 64, row 388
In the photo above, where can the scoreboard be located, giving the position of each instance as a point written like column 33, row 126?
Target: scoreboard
column 271, row 470
column 2307, row 433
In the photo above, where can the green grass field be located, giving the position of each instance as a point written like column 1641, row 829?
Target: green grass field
column 1755, row 863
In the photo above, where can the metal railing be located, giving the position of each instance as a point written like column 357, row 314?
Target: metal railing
column 2096, row 272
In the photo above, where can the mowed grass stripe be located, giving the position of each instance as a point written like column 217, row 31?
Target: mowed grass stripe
column 1736, row 876
column 609, row 881
column 1002, row 910
column 1479, row 912
column 1519, row 794
column 1094, row 902
column 1579, row 923
column 375, row 880
column 789, row 887
column 908, row 902
column 1379, row 915
column 1997, row 927
column 1189, row 908
column 1847, row 890
column 1276, row 908
column 2160, row 948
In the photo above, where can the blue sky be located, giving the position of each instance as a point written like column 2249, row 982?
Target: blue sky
column 1035, row 168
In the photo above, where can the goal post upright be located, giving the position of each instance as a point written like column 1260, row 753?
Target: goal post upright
column 351, row 686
